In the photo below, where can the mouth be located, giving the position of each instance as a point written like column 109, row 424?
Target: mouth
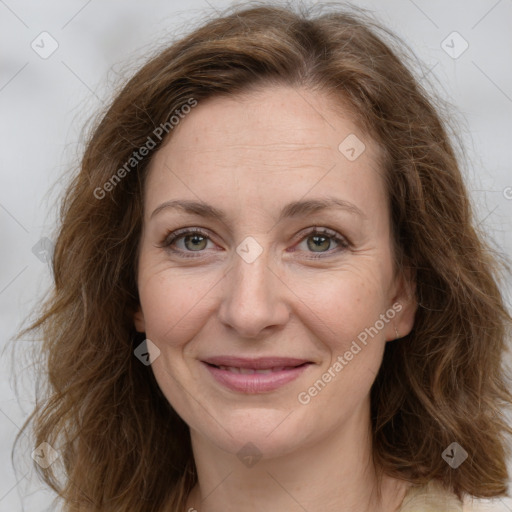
column 259, row 375
column 250, row 371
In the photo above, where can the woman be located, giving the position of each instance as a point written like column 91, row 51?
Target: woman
column 270, row 293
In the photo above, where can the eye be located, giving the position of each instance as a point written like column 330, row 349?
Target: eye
column 187, row 240
column 321, row 241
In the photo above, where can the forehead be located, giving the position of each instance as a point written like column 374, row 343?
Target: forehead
column 264, row 119
column 274, row 141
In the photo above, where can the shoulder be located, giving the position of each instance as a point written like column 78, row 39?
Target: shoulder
column 433, row 497
column 494, row 505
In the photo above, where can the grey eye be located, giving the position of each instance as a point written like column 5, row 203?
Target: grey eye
column 319, row 243
column 195, row 242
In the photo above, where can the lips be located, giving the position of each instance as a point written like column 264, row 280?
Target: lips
column 250, row 371
column 255, row 375
column 259, row 363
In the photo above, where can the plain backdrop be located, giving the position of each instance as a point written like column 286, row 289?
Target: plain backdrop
column 59, row 63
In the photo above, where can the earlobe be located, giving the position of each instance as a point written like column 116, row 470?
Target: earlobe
column 138, row 320
column 408, row 304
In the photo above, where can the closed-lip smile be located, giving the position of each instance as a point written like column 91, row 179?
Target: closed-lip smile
column 255, row 375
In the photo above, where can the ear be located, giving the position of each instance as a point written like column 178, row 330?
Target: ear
column 138, row 320
column 404, row 303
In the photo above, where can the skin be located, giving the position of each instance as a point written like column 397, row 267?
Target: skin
column 250, row 155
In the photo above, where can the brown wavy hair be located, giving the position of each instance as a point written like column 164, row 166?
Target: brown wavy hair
column 122, row 446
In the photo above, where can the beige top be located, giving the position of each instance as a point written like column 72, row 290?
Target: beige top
column 433, row 497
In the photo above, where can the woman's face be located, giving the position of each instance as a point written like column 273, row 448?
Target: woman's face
column 271, row 319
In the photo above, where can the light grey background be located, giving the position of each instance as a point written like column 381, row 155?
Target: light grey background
column 44, row 104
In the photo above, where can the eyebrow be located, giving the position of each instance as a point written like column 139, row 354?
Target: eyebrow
column 291, row 210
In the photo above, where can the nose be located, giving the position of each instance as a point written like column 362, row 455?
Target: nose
column 254, row 298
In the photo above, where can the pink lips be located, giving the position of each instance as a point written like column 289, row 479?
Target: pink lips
column 257, row 375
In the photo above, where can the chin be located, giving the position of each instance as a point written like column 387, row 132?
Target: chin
column 260, row 432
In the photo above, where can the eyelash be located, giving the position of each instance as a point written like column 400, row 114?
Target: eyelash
column 172, row 237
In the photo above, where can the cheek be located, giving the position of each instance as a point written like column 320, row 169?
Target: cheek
column 347, row 323
column 342, row 305
column 174, row 303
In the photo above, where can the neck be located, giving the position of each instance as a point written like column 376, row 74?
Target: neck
column 335, row 474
